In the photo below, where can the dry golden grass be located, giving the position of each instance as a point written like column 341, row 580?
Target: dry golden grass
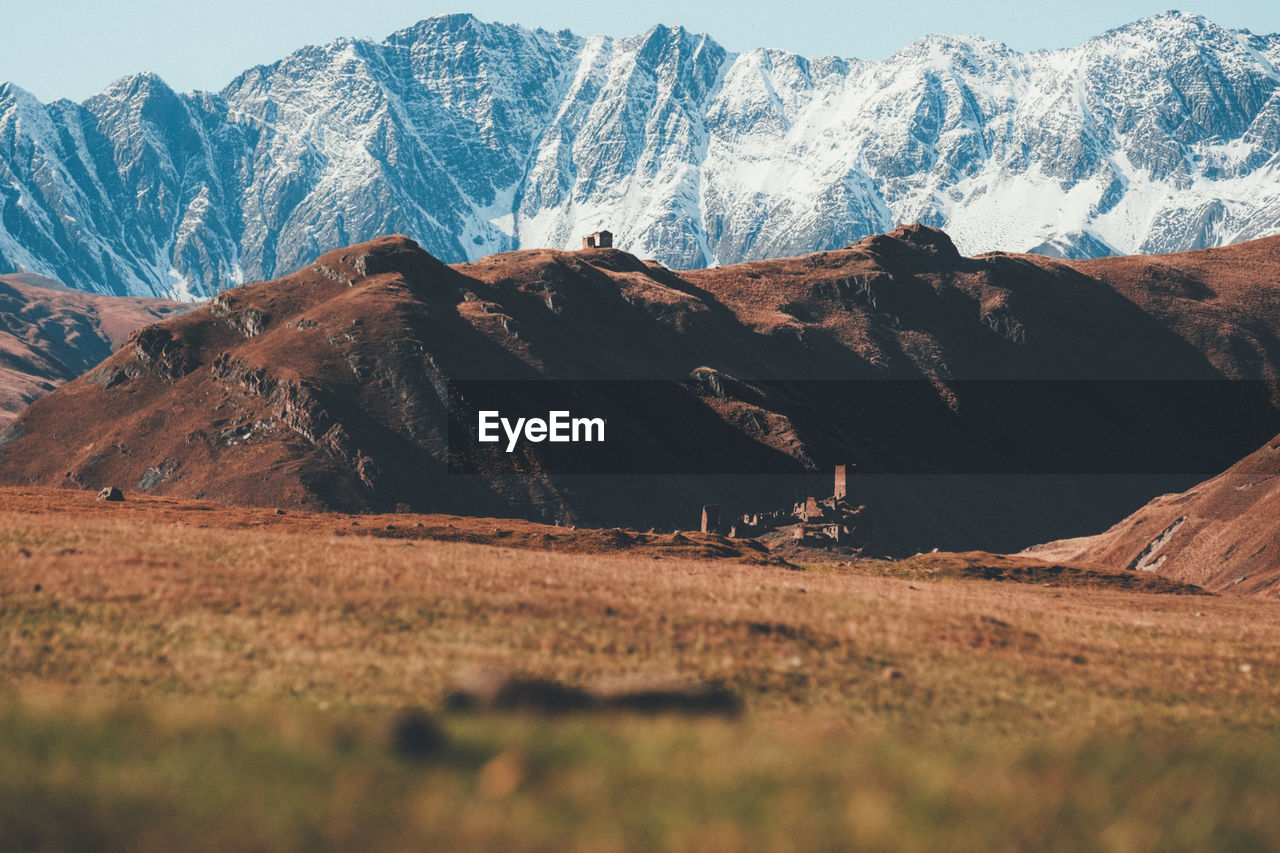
column 874, row 703
column 372, row 622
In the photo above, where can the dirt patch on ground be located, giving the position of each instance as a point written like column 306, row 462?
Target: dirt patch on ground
column 980, row 565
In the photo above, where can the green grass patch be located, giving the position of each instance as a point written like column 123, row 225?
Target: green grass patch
column 210, row 775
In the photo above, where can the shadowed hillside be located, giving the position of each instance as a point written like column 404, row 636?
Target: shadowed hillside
column 989, row 402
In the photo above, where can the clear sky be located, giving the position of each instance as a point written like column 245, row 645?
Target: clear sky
column 74, row 48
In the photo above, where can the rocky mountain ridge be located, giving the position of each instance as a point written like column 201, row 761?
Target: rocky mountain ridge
column 474, row 138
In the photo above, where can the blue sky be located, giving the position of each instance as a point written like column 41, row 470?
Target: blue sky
column 74, row 49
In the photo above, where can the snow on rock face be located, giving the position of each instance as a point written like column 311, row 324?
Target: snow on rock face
column 475, row 138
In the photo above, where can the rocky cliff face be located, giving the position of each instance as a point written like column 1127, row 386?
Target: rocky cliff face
column 474, row 138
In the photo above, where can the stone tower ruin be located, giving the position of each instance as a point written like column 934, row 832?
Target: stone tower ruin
column 844, row 476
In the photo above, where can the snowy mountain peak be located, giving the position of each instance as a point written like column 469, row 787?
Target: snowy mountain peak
column 937, row 44
column 476, row 137
column 1172, row 23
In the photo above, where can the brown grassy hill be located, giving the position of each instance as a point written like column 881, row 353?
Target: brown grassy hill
column 50, row 334
column 986, row 400
column 1224, row 302
column 1220, row 535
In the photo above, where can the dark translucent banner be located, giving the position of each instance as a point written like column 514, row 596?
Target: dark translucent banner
column 717, row 425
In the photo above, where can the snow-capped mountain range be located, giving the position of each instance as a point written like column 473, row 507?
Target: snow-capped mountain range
column 474, row 138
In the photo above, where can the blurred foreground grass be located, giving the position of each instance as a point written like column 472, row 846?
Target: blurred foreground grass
column 184, row 775
column 227, row 679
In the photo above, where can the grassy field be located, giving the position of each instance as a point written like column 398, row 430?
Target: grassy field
column 185, row 676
